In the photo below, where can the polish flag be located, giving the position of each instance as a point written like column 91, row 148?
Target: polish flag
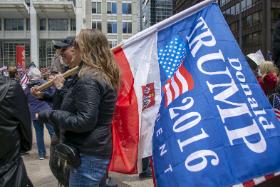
column 137, row 104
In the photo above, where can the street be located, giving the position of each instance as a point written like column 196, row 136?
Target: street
column 41, row 176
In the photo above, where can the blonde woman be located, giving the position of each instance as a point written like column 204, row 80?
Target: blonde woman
column 87, row 109
column 268, row 80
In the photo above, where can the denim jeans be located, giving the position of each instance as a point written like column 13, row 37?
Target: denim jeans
column 91, row 172
column 39, row 130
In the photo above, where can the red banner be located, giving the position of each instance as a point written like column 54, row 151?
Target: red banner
column 20, row 56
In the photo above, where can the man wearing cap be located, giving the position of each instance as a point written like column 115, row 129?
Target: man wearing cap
column 62, row 86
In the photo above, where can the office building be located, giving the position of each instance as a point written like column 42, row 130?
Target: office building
column 252, row 22
column 154, row 11
column 35, row 23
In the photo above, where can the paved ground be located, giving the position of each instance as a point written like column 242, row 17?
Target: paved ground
column 41, row 176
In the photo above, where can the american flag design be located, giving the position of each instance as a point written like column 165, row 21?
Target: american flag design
column 276, row 105
column 257, row 180
column 180, row 83
column 24, row 80
column 171, row 59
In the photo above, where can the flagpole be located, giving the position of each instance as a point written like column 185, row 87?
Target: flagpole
column 167, row 22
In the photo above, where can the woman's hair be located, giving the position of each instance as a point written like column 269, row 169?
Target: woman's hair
column 267, row 67
column 97, row 56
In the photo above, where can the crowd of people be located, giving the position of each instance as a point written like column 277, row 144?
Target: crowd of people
column 77, row 112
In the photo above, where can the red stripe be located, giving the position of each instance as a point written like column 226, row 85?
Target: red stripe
column 187, row 76
column 165, row 96
column 172, row 92
column 178, row 82
column 125, row 125
column 249, row 183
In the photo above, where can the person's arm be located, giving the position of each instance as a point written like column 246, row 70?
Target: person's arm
column 86, row 101
column 22, row 113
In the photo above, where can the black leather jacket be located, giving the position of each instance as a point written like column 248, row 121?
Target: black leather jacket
column 86, row 116
column 15, row 132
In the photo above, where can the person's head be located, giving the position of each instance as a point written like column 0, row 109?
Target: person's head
column 92, row 47
column 66, row 49
column 34, row 74
column 268, row 67
column 13, row 72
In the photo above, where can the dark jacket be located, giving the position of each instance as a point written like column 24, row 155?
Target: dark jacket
column 86, row 116
column 276, row 45
column 15, row 133
column 36, row 105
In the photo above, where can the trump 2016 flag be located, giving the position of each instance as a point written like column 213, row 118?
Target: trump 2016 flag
column 186, row 81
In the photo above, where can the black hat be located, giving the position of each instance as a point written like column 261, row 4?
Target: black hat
column 68, row 41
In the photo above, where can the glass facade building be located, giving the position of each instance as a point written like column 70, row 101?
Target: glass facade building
column 154, row 11
column 252, row 22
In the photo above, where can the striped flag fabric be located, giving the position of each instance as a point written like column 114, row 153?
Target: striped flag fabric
column 24, row 80
column 276, row 104
column 256, row 181
column 180, row 83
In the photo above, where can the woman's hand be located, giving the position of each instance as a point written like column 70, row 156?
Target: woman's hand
column 37, row 93
column 58, row 81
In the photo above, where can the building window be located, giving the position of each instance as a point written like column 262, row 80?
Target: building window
column 127, row 27
column 243, row 5
column 249, row 21
column 237, row 8
column 232, row 10
column 96, row 25
column 126, row 8
column 249, row 3
column 28, row 24
column 58, row 24
column 112, row 27
column 113, row 43
column 43, row 24
column 14, row 24
column 73, row 24
column 96, row 8
column 256, row 18
column 111, row 8
column 275, row 14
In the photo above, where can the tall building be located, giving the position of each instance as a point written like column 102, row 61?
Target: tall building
column 35, row 23
column 116, row 18
column 154, row 11
column 251, row 21
column 179, row 5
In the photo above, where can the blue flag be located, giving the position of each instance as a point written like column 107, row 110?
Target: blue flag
column 215, row 127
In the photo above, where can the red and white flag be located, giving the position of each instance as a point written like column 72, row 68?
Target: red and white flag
column 137, row 104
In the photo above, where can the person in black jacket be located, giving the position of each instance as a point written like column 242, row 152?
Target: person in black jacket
column 276, row 45
column 61, row 88
column 15, row 134
column 87, row 108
